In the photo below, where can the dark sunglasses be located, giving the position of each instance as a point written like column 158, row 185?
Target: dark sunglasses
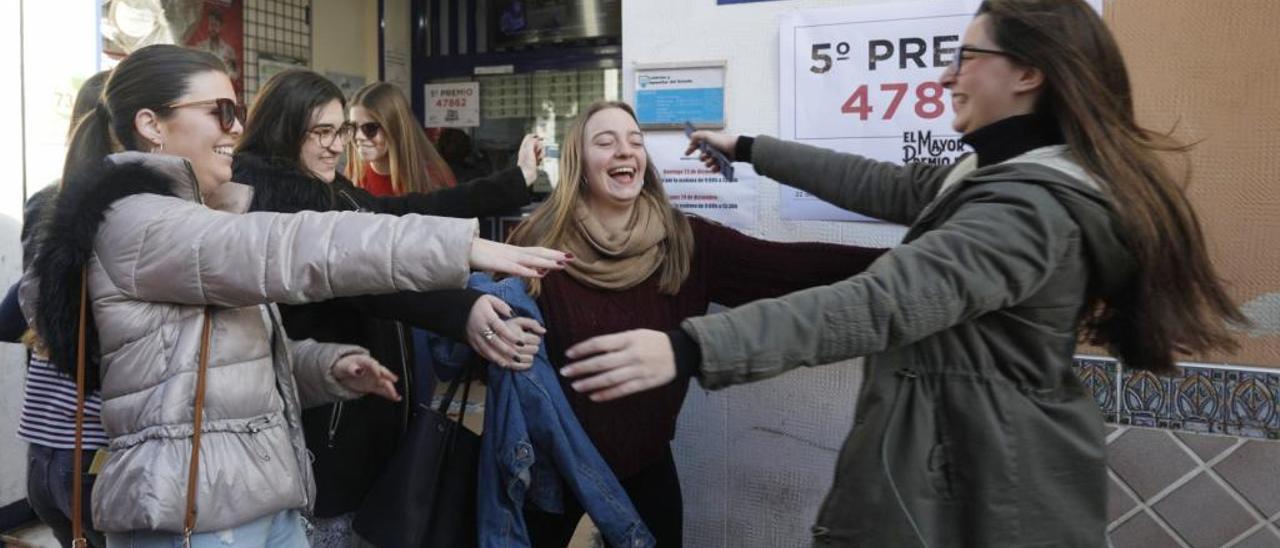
column 228, row 111
column 370, row 129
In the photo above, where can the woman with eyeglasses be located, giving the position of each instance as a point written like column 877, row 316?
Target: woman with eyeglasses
column 289, row 154
column 972, row 428
column 319, row 156
column 390, row 154
column 149, row 229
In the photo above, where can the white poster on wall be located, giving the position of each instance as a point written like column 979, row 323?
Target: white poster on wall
column 395, row 64
column 453, row 105
column 697, row 190
column 865, row 80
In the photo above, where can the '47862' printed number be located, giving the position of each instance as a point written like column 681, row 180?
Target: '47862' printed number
column 928, row 103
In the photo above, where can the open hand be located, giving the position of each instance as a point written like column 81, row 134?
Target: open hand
column 621, row 364
column 361, row 373
column 526, row 262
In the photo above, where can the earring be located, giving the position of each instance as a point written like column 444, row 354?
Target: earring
column 157, row 147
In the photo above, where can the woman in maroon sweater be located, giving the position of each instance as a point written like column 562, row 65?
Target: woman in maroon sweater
column 641, row 264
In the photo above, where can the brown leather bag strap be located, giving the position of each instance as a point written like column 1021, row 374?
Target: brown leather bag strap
column 77, row 483
column 189, row 524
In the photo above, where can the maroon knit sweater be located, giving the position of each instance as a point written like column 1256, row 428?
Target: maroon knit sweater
column 728, row 268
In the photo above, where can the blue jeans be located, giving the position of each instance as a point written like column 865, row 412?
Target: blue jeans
column 282, row 529
column 49, row 479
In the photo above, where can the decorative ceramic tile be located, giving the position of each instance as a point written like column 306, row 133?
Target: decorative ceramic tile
column 1252, row 401
column 1100, row 378
column 1145, row 399
column 1199, row 397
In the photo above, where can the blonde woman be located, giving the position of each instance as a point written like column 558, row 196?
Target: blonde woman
column 391, row 156
column 642, row 264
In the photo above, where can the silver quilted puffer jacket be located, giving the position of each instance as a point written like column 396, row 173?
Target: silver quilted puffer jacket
column 157, row 262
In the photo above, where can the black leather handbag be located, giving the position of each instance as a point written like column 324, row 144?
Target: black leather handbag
column 426, row 497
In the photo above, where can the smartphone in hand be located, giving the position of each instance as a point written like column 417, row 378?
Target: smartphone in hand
column 726, row 167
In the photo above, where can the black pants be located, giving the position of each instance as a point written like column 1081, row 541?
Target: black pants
column 655, row 492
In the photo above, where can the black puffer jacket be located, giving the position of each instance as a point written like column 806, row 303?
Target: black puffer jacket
column 353, row 440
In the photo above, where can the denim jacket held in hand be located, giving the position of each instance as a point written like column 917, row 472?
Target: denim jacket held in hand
column 533, row 448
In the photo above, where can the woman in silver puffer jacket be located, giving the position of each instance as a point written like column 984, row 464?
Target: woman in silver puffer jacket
column 164, row 236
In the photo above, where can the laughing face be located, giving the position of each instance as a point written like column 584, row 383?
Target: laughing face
column 614, row 158
column 988, row 86
column 195, row 134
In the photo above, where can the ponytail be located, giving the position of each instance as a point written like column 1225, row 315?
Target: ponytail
column 91, row 141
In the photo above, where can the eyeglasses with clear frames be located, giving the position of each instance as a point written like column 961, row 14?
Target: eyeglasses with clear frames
column 326, row 134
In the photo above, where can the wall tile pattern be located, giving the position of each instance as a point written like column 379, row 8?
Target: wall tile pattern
column 1193, row 459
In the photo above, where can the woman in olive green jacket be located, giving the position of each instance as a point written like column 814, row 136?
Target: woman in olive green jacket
column 972, row 429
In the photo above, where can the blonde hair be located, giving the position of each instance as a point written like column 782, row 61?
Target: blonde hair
column 413, row 159
column 550, row 224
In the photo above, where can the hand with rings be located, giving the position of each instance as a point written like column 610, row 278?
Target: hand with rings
column 510, row 343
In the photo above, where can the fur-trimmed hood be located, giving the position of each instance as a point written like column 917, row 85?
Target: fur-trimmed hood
column 280, row 186
column 66, row 238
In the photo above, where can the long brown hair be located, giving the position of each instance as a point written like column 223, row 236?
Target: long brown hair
column 281, row 115
column 1177, row 303
column 549, row 225
column 149, row 78
column 415, row 164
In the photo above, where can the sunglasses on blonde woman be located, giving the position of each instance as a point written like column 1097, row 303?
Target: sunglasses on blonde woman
column 227, row 111
column 370, row 129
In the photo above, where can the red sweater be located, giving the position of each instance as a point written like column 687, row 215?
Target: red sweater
column 379, row 185
column 728, row 268
column 376, row 183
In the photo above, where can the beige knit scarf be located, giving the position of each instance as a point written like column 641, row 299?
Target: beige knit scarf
column 617, row 260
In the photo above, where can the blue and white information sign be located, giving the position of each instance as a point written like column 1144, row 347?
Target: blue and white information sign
column 668, row 96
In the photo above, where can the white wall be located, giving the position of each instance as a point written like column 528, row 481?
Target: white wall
column 756, row 460
column 13, row 464
column 60, row 50
column 344, row 37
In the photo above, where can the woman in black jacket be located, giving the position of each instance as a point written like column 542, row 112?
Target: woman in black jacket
column 289, row 153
